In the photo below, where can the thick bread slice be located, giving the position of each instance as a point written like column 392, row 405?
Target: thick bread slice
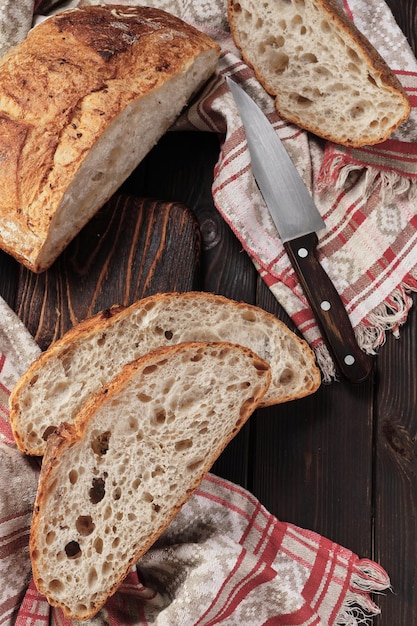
column 82, row 100
column 111, row 482
column 325, row 75
column 90, row 354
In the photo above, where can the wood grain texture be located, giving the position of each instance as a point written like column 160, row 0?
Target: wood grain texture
column 395, row 472
column 132, row 248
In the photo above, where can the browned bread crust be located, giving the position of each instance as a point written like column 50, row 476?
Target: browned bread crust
column 110, row 78
column 325, row 75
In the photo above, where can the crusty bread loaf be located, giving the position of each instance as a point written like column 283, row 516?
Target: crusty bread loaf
column 325, row 75
column 111, row 482
column 82, row 101
column 87, row 357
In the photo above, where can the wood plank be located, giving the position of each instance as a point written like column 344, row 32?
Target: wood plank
column 396, row 472
column 130, row 249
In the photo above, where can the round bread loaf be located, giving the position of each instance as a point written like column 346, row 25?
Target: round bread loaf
column 82, row 100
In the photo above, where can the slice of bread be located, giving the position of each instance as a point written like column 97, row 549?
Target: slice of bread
column 325, row 75
column 90, row 354
column 83, row 99
column 112, row 481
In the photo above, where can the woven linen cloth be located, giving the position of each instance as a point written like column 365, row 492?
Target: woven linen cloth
column 223, row 560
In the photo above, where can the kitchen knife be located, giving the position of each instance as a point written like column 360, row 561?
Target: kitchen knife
column 298, row 220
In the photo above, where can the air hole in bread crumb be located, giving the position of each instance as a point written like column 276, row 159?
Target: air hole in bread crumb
column 354, row 55
column 301, row 100
column 286, row 376
column 149, row 370
column 98, row 545
column 100, row 443
column 249, row 316
column 55, row 585
column 308, row 57
column 102, row 339
column 158, row 471
column 183, row 444
column 194, row 465
column 107, row 512
column 73, row 550
column 143, row 397
column 168, row 334
column 117, row 493
column 97, row 491
column 357, row 111
column 48, row 431
column 92, row 576
column 159, row 418
column 50, row 537
column 279, row 61
column 147, row 497
column 73, row 476
column 84, row 525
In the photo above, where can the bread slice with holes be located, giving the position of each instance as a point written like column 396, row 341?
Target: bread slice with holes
column 112, row 481
column 324, row 74
column 83, row 99
column 87, row 357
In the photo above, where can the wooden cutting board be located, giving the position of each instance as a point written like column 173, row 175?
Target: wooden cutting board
column 131, row 249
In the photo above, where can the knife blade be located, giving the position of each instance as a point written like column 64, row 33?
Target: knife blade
column 298, row 220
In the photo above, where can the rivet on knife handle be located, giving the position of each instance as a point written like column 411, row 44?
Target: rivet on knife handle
column 329, row 311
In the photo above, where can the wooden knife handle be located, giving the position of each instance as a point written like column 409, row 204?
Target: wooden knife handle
column 329, row 311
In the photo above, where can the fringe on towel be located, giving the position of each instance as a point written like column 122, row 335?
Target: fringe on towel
column 338, row 167
column 390, row 315
column 358, row 608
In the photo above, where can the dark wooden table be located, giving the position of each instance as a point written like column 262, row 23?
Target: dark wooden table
column 342, row 462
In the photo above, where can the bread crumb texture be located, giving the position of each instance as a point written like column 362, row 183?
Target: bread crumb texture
column 111, row 485
column 325, row 75
column 87, row 357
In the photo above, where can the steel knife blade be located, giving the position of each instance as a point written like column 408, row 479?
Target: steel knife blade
column 298, row 220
